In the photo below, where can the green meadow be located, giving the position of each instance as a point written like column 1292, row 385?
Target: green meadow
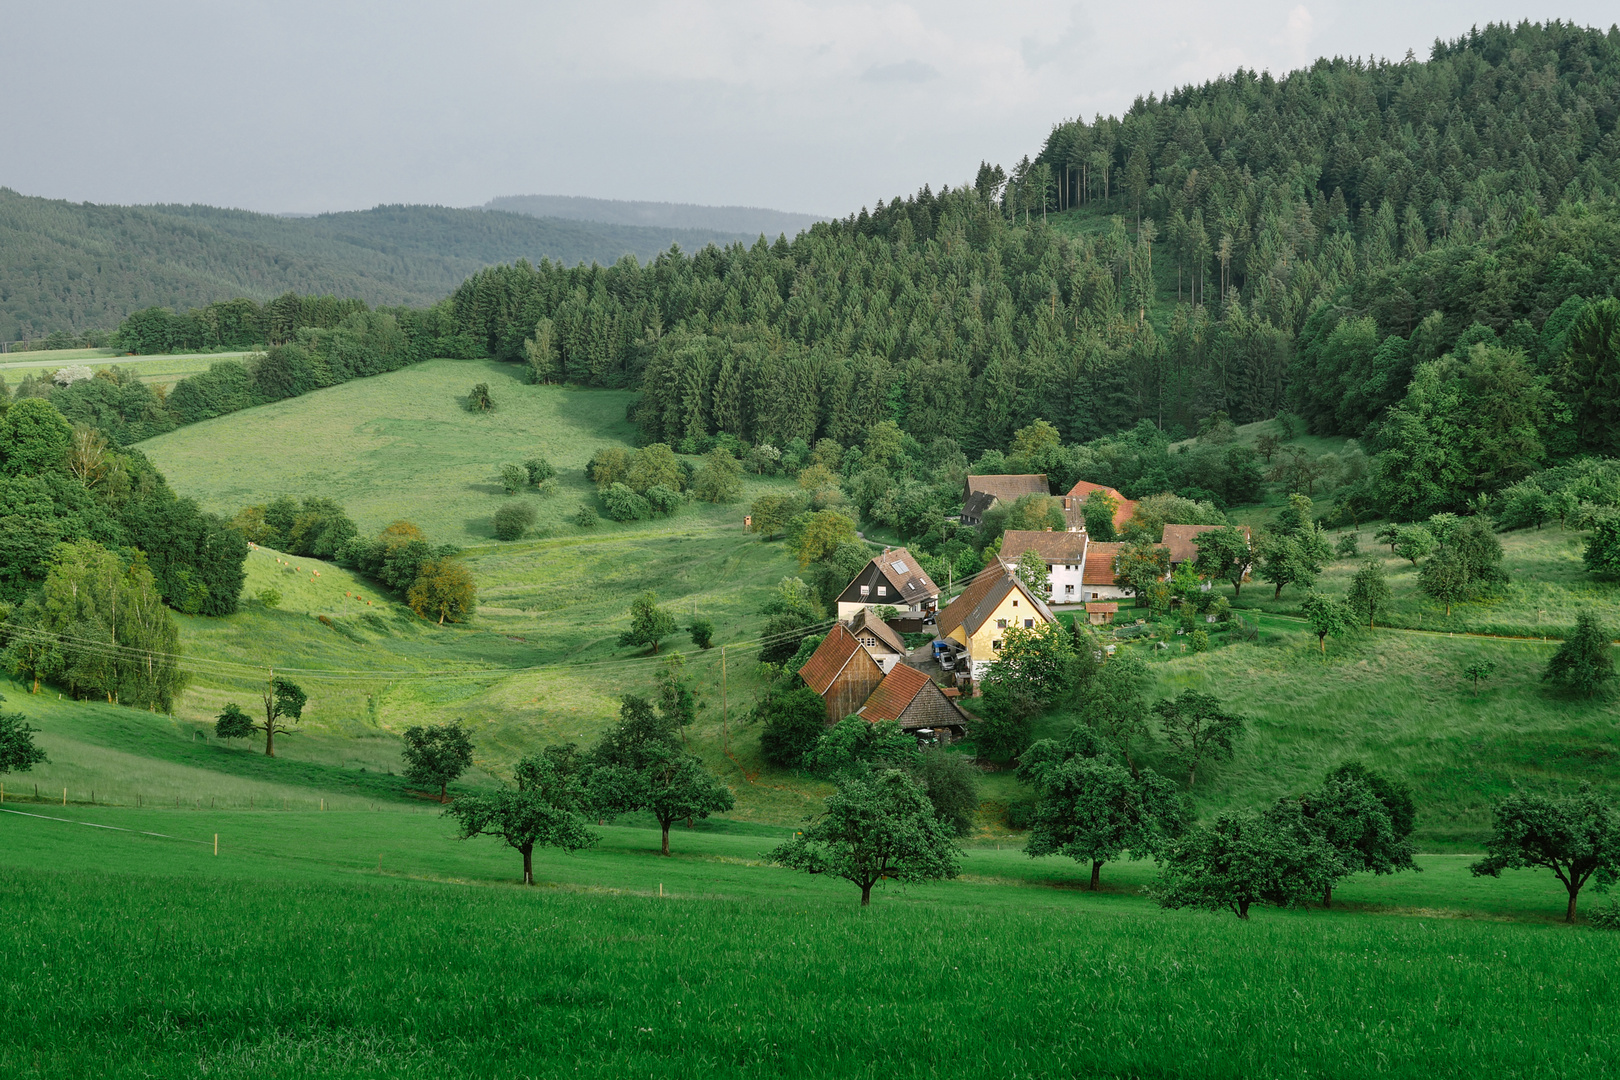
column 163, row 371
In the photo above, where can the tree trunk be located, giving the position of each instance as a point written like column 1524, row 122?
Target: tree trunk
column 1278, row 594
column 1327, row 896
column 1569, row 914
column 665, row 824
column 269, row 740
column 442, row 785
column 866, row 894
column 1096, row 875
column 528, row 863
column 1321, row 639
column 1191, row 770
column 1243, row 909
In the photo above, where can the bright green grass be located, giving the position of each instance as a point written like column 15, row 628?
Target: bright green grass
column 1549, row 586
column 290, row 953
column 162, row 371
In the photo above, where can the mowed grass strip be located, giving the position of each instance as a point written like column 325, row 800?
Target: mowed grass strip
column 291, row 954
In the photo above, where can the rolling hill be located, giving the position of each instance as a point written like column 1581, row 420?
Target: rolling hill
column 751, row 220
column 77, row 266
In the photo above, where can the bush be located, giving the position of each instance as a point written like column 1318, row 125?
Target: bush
column 585, row 518
column 478, row 399
column 1347, row 547
column 513, row 520
column 662, row 500
column 702, row 633
column 1606, row 918
column 513, row 478
column 270, row 598
column 794, row 720
column 952, row 786
column 540, row 470
column 622, row 504
column 1199, row 640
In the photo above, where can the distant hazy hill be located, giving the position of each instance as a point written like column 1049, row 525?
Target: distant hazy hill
column 750, row 220
column 72, row 266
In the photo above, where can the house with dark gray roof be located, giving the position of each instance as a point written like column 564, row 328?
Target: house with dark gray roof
column 892, row 579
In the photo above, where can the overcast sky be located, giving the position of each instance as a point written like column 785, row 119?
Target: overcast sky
column 791, row 104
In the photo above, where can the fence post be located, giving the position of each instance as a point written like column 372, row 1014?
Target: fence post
column 216, row 843
column 64, row 796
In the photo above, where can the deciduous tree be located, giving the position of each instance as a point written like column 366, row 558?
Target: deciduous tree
column 1094, row 810
column 1327, row 617
column 17, row 750
column 1198, row 729
column 1583, row 664
column 1246, row 858
column 1577, row 837
column 649, row 623
column 443, row 587
column 284, row 702
column 874, row 827
column 1369, row 591
column 542, row 808
column 436, row 754
column 1349, row 814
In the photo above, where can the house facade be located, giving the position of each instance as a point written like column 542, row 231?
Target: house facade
column 1097, row 579
column 842, row 672
column 892, row 579
column 980, row 494
column 878, row 638
column 1064, row 554
column 978, row 619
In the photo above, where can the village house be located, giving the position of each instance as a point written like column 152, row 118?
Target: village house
column 1097, row 580
column 916, row 703
column 842, row 672
column 1101, row 612
column 1179, row 539
column 881, row 641
column 978, row 619
column 1064, row 554
column 1124, row 509
column 892, row 579
column 982, row 493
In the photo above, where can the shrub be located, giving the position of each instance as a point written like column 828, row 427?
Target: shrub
column 622, row 504
column 1347, row 548
column 584, row 517
column 1606, row 918
column 478, row 399
column 952, row 787
column 662, row 500
column 513, row 478
column 540, row 470
column 1199, row 640
column 513, row 520
column 794, row 720
column 702, row 633
column 270, row 598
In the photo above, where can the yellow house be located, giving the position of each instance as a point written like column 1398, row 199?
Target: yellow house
column 980, row 617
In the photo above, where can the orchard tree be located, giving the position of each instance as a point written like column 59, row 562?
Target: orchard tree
column 1413, row 543
column 1577, row 837
column 1602, row 550
column 1198, row 730
column 284, row 702
column 649, row 623
column 812, row 537
column 1094, row 810
column 1246, row 858
column 1349, row 814
column 1369, row 592
column 875, row 826
column 1327, row 618
column 17, row 750
column 1113, row 703
column 1582, row 664
column 445, row 588
column 1477, row 670
column 543, row 808
column 437, row 754
column 638, row 765
column 1224, row 554
column 1293, row 558
column 702, row 632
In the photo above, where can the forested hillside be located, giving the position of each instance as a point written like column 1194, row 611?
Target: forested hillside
column 1200, row 255
column 76, row 266
column 747, row 220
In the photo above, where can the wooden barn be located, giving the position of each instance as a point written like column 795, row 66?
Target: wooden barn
column 842, row 672
column 911, row 699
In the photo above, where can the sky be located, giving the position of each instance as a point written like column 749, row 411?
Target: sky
column 297, row 106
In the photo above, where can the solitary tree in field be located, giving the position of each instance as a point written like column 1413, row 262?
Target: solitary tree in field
column 639, row 765
column 1369, row 592
column 649, row 623
column 702, row 632
column 284, row 702
column 1477, row 670
column 1246, row 858
column 1094, row 810
column 544, row 808
column 1198, row 729
column 875, row 826
column 1327, row 618
column 478, row 399
column 437, row 754
column 17, row 750
column 1388, row 534
column 1349, row 814
column 1582, row 664
column 513, row 478
column 1576, row 837
column 1224, row 554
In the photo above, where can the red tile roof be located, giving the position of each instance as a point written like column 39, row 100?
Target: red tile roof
column 1123, row 512
column 830, row 658
column 898, row 689
column 1009, row 487
column 1054, row 547
column 1100, row 564
column 1179, row 539
column 1101, row 606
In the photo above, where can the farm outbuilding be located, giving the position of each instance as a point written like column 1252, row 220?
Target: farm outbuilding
column 842, row 672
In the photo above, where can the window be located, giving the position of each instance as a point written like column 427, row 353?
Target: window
column 1015, row 603
column 883, row 590
column 1068, row 588
column 996, row 645
column 866, row 590
column 1029, row 624
column 1094, row 596
column 1001, row 624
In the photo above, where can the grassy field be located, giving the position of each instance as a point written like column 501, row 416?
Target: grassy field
column 374, row 944
column 162, row 371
